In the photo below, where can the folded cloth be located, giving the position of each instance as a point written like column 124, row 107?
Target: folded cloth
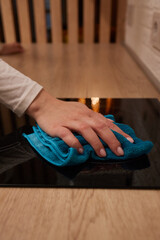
column 57, row 152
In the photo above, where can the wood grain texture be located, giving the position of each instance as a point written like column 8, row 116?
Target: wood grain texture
column 100, row 70
column 105, row 21
column 88, row 20
column 81, row 214
column 8, row 21
column 24, row 21
column 40, row 21
column 121, row 18
column 72, row 13
column 56, row 21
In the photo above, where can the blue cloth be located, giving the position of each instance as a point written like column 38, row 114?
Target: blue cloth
column 57, row 152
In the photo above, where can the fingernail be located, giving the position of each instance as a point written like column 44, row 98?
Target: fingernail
column 103, row 152
column 120, row 151
column 130, row 139
column 80, row 150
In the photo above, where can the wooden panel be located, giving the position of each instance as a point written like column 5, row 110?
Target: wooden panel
column 88, row 13
column 86, row 214
column 105, row 21
column 8, row 21
column 40, row 21
column 56, row 20
column 72, row 13
column 24, row 22
column 121, row 16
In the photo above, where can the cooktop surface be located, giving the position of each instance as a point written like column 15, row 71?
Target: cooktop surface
column 21, row 166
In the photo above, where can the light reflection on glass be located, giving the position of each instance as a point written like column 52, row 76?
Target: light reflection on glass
column 95, row 104
column 82, row 100
column 108, row 105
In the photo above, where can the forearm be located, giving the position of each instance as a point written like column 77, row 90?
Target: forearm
column 17, row 91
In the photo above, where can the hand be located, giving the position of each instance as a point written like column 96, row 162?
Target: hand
column 58, row 118
column 11, row 48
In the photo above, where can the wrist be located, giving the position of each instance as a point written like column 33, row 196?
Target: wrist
column 39, row 104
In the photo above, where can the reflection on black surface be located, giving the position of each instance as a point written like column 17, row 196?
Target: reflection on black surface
column 21, row 166
column 26, row 168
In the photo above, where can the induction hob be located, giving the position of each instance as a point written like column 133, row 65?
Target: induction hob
column 21, row 166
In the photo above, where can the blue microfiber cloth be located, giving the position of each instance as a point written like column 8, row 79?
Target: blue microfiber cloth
column 57, row 152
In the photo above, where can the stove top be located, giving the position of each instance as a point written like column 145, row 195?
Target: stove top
column 21, row 166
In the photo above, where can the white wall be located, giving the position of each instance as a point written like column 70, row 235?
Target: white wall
column 138, row 33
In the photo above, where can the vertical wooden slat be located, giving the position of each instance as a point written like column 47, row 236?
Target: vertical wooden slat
column 24, row 22
column 121, row 16
column 40, row 21
column 88, row 14
column 72, row 13
column 105, row 21
column 56, row 20
column 8, row 21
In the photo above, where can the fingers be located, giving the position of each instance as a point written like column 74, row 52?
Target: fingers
column 104, row 132
column 114, row 127
column 99, row 116
column 111, row 125
column 68, row 137
column 90, row 136
column 90, row 130
column 89, row 124
column 117, row 129
column 108, row 137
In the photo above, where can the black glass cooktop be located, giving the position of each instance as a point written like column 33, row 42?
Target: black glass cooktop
column 21, row 166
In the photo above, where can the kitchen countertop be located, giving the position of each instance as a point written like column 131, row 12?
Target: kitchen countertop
column 81, row 71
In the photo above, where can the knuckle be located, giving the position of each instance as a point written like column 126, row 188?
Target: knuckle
column 90, row 111
column 100, row 125
column 100, row 115
column 87, row 110
column 63, row 133
column 74, row 142
column 83, row 126
column 110, row 124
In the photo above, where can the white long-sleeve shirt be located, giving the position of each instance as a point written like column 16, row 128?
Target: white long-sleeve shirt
column 17, row 91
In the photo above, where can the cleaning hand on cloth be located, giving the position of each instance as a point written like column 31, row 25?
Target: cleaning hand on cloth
column 57, row 152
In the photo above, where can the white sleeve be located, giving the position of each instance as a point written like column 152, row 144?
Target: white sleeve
column 16, row 90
